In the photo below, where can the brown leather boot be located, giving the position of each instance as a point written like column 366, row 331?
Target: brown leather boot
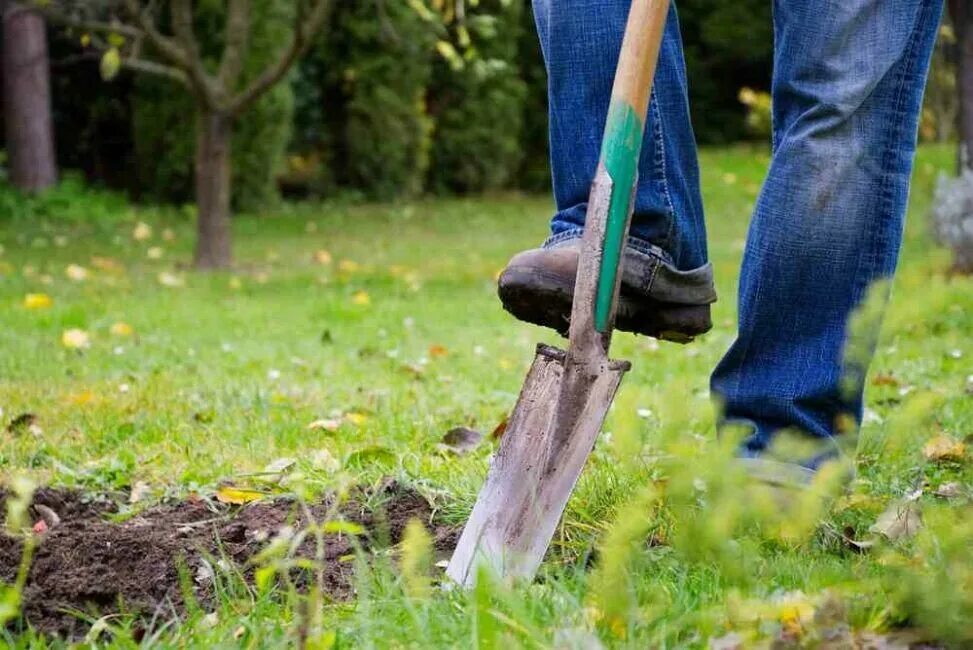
column 655, row 299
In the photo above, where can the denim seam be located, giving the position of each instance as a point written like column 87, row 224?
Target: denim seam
column 658, row 138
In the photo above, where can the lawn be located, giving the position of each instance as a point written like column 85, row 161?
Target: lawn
column 350, row 338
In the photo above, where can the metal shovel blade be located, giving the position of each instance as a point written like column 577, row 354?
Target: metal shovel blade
column 551, row 432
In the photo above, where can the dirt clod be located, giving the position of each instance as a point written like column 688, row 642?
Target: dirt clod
column 87, row 564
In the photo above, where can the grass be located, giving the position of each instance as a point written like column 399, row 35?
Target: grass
column 401, row 337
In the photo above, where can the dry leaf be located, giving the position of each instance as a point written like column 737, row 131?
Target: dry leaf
column 142, row 231
column 949, row 490
column 323, row 459
column 500, row 429
column 168, row 279
column 75, row 339
column 21, row 423
column 106, row 264
column 121, row 329
column 37, row 301
column 139, row 491
column 76, row 273
column 944, row 449
column 355, row 418
column 154, row 253
column 436, row 351
column 884, row 380
column 461, row 440
column 326, row 424
column 322, row 257
column 901, row 520
column 237, row 495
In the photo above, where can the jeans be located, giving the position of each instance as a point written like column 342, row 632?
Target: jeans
column 847, row 91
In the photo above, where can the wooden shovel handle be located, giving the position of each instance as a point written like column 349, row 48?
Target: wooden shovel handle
column 620, row 149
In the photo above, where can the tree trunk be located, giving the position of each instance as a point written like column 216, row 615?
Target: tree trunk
column 962, row 16
column 213, row 244
column 27, row 99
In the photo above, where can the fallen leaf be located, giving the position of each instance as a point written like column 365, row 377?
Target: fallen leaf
column 944, row 449
column 168, row 279
column 155, row 253
column 106, row 264
column 884, row 380
column 361, row 298
column 237, row 495
column 356, row 418
column 901, row 520
column 500, row 429
column 76, row 273
column 139, row 491
column 461, row 440
column 37, row 301
column 275, row 471
column 436, row 351
column 168, row 235
column 121, row 329
column 325, row 424
column 75, row 339
column 348, row 266
column 949, row 490
column 211, row 620
column 322, row 257
column 142, row 231
column 21, row 423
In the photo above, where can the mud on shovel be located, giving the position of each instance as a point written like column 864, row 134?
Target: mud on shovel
column 566, row 395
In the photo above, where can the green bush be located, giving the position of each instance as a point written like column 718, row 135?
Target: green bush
column 382, row 65
column 479, row 105
column 164, row 122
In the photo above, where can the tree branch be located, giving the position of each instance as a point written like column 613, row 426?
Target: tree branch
column 305, row 28
column 237, row 36
column 165, row 45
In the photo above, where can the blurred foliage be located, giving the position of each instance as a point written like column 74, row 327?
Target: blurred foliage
column 399, row 98
column 477, row 103
column 163, row 128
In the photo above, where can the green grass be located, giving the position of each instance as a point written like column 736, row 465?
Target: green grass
column 403, row 331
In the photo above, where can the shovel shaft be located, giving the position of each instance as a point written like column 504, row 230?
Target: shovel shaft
column 622, row 144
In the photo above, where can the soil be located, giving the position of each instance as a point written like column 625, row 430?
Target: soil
column 87, row 564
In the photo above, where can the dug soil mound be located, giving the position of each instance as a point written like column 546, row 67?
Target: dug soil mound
column 87, row 566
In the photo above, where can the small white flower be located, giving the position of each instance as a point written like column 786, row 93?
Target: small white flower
column 273, row 374
column 644, row 413
column 123, row 388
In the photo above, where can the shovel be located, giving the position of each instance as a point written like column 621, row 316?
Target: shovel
column 566, row 395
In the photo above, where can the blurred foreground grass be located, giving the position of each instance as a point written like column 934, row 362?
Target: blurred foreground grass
column 380, row 324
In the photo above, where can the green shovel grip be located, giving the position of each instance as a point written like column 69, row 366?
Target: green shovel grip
column 620, row 149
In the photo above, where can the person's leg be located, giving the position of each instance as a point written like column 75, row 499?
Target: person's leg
column 667, row 284
column 847, row 91
column 581, row 40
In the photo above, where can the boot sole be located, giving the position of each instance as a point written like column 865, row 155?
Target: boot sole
column 545, row 300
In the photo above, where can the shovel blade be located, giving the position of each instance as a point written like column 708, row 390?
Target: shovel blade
column 534, row 471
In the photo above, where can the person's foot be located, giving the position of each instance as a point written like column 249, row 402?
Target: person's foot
column 655, row 299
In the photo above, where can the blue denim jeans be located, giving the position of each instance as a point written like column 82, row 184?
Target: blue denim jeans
column 847, row 91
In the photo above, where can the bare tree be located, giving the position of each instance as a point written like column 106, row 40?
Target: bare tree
column 133, row 35
column 27, row 98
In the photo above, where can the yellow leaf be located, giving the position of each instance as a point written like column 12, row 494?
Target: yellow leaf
column 76, row 272
column 82, row 398
column 142, row 231
column 111, row 63
column 322, row 257
column 361, row 298
column 436, row 350
column 348, row 266
column 357, row 419
column 75, row 339
column 327, row 424
column 237, row 495
column 944, row 448
column 37, row 301
column 122, row 329
column 85, row 40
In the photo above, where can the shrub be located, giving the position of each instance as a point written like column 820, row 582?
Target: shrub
column 478, row 105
